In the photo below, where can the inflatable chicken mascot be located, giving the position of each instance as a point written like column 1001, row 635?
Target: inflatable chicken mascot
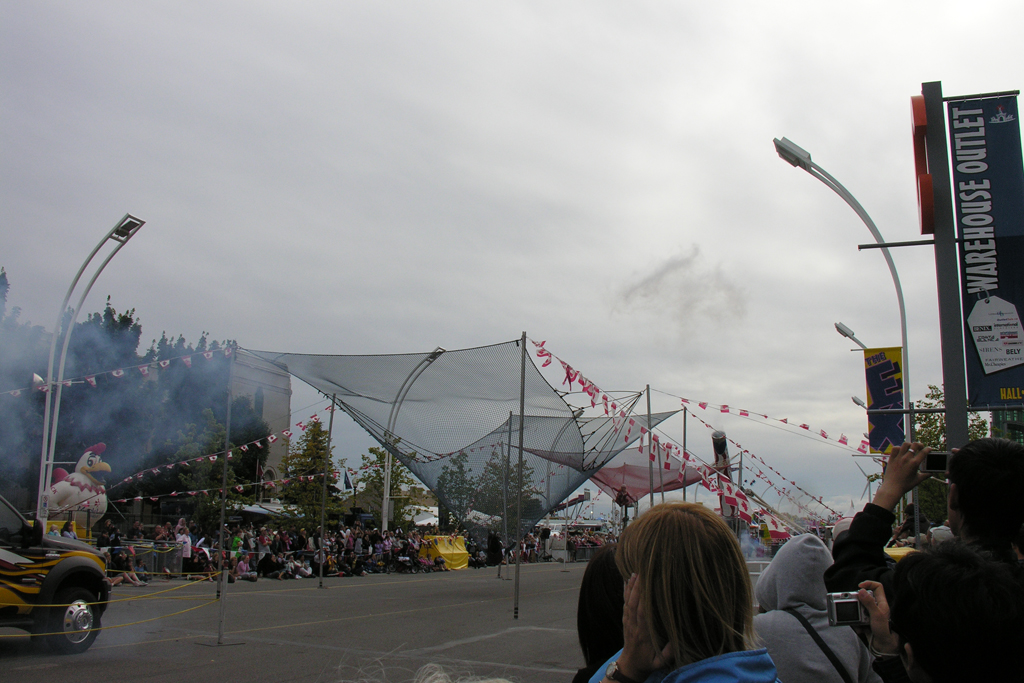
column 80, row 492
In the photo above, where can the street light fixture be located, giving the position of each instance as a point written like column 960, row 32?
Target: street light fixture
column 122, row 231
column 796, row 156
column 848, row 333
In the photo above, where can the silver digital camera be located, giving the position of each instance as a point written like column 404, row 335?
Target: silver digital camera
column 845, row 610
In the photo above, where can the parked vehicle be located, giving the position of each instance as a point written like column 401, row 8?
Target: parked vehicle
column 50, row 586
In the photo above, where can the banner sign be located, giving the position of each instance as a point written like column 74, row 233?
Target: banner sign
column 988, row 186
column 883, row 371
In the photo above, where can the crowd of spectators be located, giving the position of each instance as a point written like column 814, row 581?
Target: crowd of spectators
column 253, row 551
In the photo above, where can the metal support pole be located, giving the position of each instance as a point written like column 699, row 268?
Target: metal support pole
column 504, row 485
column 323, row 492
column 683, row 466
column 223, row 508
column 121, row 233
column 947, row 271
column 385, row 503
column 519, row 491
column 650, row 450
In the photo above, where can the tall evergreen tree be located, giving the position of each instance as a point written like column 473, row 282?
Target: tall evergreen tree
column 304, row 468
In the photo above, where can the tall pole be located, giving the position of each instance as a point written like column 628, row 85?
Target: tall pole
column 323, row 492
column 519, row 496
column 386, row 503
column 683, row 465
column 650, row 452
column 951, row 330
column 121, row 233
column 799, row 157
column 223, row 507
column 504, row 485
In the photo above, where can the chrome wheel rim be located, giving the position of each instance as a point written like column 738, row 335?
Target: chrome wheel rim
column 77, row 621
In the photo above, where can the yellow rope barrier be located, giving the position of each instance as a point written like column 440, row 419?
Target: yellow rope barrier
column 144, row 596
column 107, row 628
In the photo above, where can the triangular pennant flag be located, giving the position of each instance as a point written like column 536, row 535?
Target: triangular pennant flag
column 91, row 380
column 118, row 373
column 164, row 363
column 207, row 355
column 187, row 360
column 287, row 433
column 144, row 369
column 271, row 438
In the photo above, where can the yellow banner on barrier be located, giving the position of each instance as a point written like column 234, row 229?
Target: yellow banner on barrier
column 451, row 548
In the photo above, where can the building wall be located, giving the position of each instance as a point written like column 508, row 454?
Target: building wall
column 1008, row 424
column 270, row 388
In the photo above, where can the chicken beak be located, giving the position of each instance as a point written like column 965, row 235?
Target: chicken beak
column 99, row 467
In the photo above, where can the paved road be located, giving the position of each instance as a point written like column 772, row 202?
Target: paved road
column 375, row 628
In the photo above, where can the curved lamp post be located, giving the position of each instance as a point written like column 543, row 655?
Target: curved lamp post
column 796, row 156
column 123, row 231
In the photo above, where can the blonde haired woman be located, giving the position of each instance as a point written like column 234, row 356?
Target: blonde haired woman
column 688, row 613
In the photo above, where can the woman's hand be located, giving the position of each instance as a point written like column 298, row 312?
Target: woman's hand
column 883, row 641
column 639, row 655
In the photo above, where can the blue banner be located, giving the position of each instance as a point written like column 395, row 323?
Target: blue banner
column 988, row 187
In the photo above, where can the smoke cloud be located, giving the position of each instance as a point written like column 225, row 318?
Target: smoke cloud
column 687, row 287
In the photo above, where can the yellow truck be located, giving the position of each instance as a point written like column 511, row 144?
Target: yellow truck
column 53, row 587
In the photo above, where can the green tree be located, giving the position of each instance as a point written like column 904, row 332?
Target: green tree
column 304, row 467
column 207, row 475
column 930, row 429
column 496, row 492
column 403, row 488
column 456, row 487
column 145, row 416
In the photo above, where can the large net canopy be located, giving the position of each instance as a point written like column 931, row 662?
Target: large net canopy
column 453, row 418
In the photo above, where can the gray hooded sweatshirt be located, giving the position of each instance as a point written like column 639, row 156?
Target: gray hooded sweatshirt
column 795, row 578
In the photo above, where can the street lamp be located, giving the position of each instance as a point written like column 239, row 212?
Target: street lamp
column 122, row 231
column 797, row 156
column 848, row 333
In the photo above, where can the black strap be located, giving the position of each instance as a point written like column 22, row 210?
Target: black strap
column 821, row 643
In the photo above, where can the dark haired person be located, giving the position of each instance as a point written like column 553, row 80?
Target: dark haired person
column 985, row 509
column 599, row 612
column 954, row 614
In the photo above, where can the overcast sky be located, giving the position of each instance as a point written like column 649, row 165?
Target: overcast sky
column 350, row 178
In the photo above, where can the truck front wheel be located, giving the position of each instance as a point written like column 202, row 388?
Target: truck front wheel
column 71, row 624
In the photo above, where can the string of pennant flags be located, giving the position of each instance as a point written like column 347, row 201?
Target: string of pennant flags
column 843, row 440
column 780, row 489
column 662, row 449
column 143, row 369
column 240, row 488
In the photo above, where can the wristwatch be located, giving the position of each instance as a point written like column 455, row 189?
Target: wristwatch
column 612, row 673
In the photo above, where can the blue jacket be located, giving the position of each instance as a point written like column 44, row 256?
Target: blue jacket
column 749, row 666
